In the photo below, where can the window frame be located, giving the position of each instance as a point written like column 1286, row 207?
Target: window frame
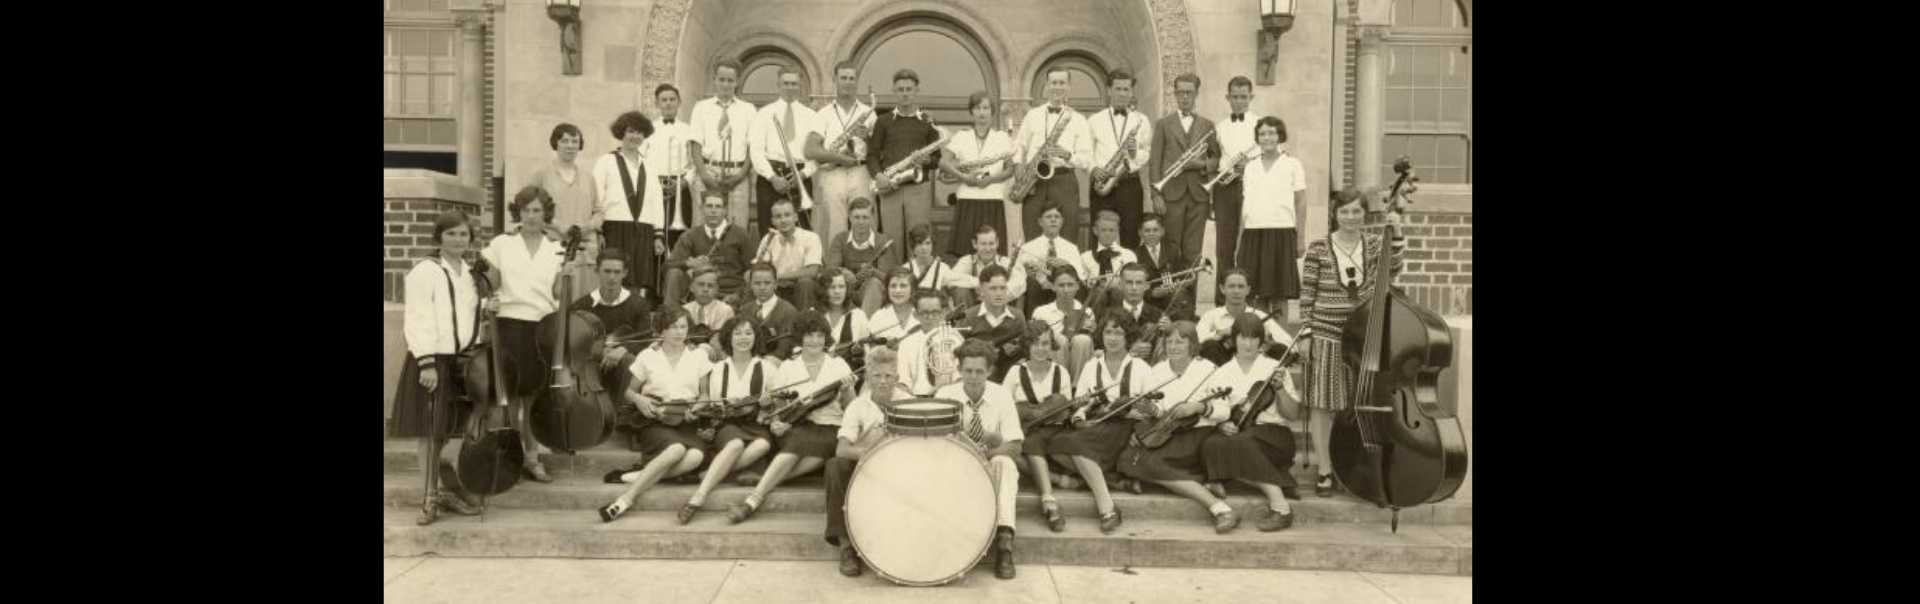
column 1074, row 61
column 424, row 23
column 1436, row 37
column 944, row 110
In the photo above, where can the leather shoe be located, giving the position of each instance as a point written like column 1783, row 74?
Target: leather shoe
column 1324, row 488
column 1274, row 521
column 1056, row 521
column 850, row 562
column 686, row 513
column 1292, row 493
column 740, row 512
column 1110, row 521
column 1003, row 554
column 450, row 502
column 1225, row 522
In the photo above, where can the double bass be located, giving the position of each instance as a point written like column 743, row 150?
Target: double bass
column 1397, row 447
column 486, row 459
column 576, row 411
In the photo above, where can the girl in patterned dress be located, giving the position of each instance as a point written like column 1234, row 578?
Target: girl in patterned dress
column 1337, row 278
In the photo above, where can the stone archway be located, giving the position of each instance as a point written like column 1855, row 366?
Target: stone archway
column 752, row 39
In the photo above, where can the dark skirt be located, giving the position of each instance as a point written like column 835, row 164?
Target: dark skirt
column 656, row 437
column 743, row 429
column 412, row 414
column 526, row 370
column 1039, row 440
column 635, row 242
column 811, row 440
column 1263, row 453
column 1268, row 256
column 1101, row 443
column 969, row 215
column 1179, row 459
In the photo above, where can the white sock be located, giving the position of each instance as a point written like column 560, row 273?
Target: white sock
column 753, row 500
column 1280, row 506
column 1220, row 507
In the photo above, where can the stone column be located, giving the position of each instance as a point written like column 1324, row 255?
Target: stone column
column 472, row 131
column 1368, row 123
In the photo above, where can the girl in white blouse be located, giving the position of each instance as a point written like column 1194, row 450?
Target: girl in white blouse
column 1179, row 464
column 983, row 189
column 846, row 323
column 741, row 440
column 1095, row 450
column 1274, row 195
column 805, row 446
column 668, row 372
column 1261, row 456
column 442, row 319
column 526, row 264
column 897, row 318
column 929, row 271
column 1033, row 383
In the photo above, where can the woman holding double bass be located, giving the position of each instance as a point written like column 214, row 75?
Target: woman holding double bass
column 442, row 320
column 1337, row 279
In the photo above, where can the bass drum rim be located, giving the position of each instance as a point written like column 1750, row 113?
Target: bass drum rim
column 986, row 473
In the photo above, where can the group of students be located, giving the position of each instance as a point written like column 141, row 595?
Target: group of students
column 796, row 311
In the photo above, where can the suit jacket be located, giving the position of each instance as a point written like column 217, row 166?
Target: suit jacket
column 1169, row 143
column 1149, row 314
column 730, row 257
column 1170, row 261
column 779, row 340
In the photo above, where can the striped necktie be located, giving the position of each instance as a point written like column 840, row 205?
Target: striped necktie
column 975, row 430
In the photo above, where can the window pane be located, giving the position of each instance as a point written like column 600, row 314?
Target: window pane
column 441, row 64
column 1426, row 108
column 440, row 43
column 436, row 5
column 410, row 42
column 1082, row 87
column 1454, row 107
column 443, row 95
column 945, row 67
column 414, row 95
column 390, row 64
column 1399, row 106
column 392, row 128
column 1400, row 67
column 416, row 132
column 392, row 88
column 1429, row 65
column 764, row 79
column 443, row 133
column 1462, row 72
column 413, row 64
column 1453, row 151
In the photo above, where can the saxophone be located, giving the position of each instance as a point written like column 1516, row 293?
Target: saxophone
column 909, row 167
column 859, row 150
column 1029, row 173
column 1114, row 165
column 967, row 167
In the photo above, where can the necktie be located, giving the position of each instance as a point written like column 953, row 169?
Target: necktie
column 786, row 127
column 1238, row 116
column 725, row 127
column 975, row 430
column 1051, row 251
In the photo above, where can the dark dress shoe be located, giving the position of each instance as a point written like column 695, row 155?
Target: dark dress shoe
column 428, row 513
column 686, row 513
column 1225, row 522
column 1003, row 554
column 1290, row 493
column 1274, row 521
column 1110, row 521
column 1056, row 521
column 850, row 562
column 740, row 512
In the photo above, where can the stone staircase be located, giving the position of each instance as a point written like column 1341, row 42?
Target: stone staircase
column 1161, row 529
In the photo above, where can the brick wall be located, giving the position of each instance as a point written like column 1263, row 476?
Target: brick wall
column 1439, row 270
column 412, row 199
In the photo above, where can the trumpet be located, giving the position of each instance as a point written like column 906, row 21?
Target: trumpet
column 1227, row 175
column 1199, row 147
column 908, row 168
column 1182, row 278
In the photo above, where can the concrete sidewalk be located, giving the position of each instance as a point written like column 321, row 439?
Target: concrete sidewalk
column 533, row 580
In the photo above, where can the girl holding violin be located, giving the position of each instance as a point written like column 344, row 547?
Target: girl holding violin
column 898, row 317
column 1215, row 328
column 1179, row 465
column 1261, row 456
column 805, row 446
column 668, row 372
column 1072, row 320
column 442, row 320
column 1337, row 280
column 739, row 441
column 929, row 271
column 1095, row 450
column 526, row 263
column 1033, row 383
column 846, row 322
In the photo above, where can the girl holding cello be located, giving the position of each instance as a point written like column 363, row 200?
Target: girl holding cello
column 739, row 441
column 669, row 371
column 442, row 320
column 1261, row 456
column 527, row 264
column 1337, row 280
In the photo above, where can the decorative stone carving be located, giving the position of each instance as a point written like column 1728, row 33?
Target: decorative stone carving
column 662, row 50
column 1173, row 32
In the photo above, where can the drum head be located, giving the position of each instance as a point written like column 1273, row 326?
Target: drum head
column 921, row 510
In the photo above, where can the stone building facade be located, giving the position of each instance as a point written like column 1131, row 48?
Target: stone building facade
column 1358, row 82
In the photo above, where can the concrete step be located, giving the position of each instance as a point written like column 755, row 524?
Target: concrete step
column 1445, row 550
column 806, row 495
column 402, row 455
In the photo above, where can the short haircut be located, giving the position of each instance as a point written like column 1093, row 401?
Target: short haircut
column 1270, row 122
column 786, row 69
column 1133, row 267
column 976, row 349
column 919, row 232
column 611, row 253
column 901, row 272
column 449, row 220
column 1062, row 69
column 553, row 140
column 781, row 200
column 1041, row 331
column 993, row 271
column 978, row 97
column 923, row 293
column 845, row 64
column 1191, row 333
column 728, row 63
column 664, row 88
column 1242, row 272
column 985, row 229
column 1052, row 206
column 906, row 74
column 530, row 194
column 859, row 203
column 727, row 329
column 1120, row 74
column 1240, row 81
column 697, row 273
column 1107, row 214
column 1248, row 325
column 826, row 277
column 1153, row 218
column 1065, row 271
column 1187, row 77
column 881, row 355
column 766, row 267
column 631, row 120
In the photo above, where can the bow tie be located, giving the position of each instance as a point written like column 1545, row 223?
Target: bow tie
column 1122, row 113
column 667, row 121
column 1053, row 110
column 1238, row 116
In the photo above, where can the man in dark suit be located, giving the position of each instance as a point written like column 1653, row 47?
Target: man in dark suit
column 1159, row 259
column 776, row 315
column 1132, row 300
column 996, row 322
column 1183, row 201
column 718, row 244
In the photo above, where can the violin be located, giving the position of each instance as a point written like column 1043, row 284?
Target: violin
column 1397, row 447
column 794, row 409
column 1262, row 395
column 576, row 411
column 1153, row 435
column 1056, row 406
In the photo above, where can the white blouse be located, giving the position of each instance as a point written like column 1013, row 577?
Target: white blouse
column 1096, row 376
column 526, row 291
column 1188, row 387
column 888, row 324
column 1268, row 193
column 967, row 146
column 854, row 316
column 1230, row 376
column 1217, row 323
column 832, row 369
column 666, row 380
column 937, row 276
column 739, row 380
column 1043, row 382
column 613, row 194
column 439, row 320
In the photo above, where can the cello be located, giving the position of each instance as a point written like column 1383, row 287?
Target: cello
column 1397, row 447
column 575, row 412
column 487, row 458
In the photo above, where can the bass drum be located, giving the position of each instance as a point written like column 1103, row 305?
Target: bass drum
column 920, row 509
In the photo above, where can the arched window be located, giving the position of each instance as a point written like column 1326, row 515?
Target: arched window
column 760, row 82
column 1086, row 81
column 950, row 62
column 1429, row 92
